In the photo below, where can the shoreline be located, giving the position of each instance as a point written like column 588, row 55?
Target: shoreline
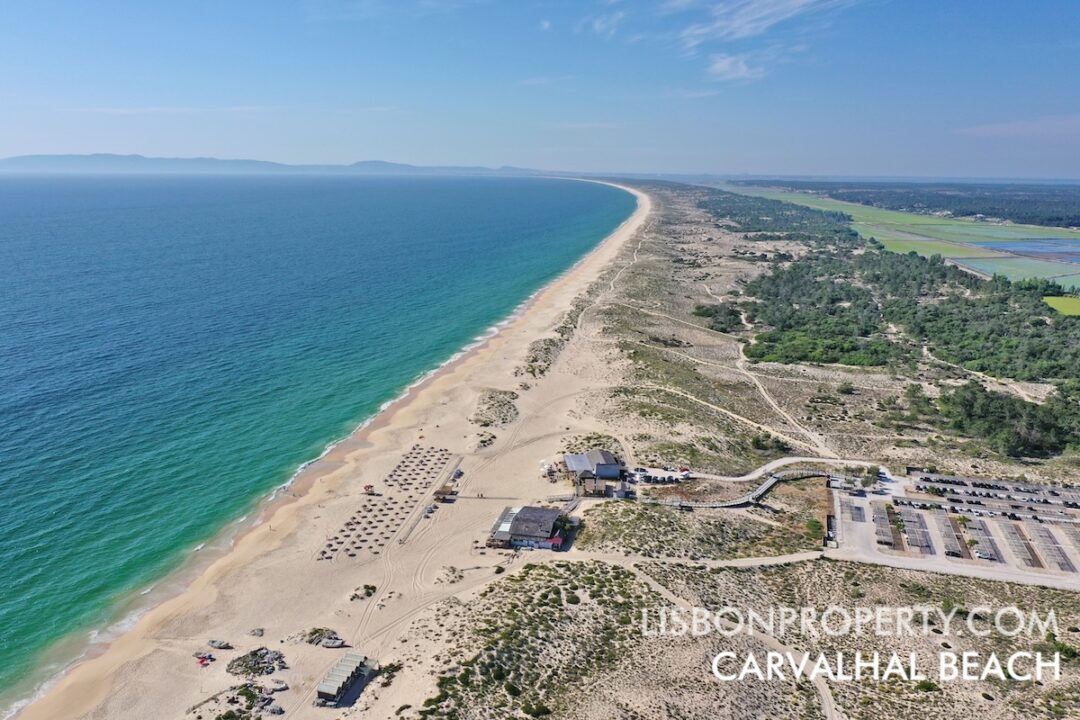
column 82, row 683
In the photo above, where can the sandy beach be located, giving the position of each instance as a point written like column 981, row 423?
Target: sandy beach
column 311, row 559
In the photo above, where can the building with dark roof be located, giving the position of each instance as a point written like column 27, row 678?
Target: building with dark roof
column 527, row 526
column 593, row 485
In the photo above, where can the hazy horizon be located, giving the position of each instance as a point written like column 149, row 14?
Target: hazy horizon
column 822, row 88
column 451, row 170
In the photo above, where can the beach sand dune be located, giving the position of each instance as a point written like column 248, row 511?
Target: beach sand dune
column 302, row 566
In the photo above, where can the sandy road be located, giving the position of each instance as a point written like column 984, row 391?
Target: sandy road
column 999, row 574
column 1010, row 385
column 814, row 440
column 825, row 697
column 735, row 416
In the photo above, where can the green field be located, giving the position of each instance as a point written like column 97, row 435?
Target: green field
column 1017, row 267
column 951, row 238
column 1070, row 281
column 902, row 242
column 1066, row 305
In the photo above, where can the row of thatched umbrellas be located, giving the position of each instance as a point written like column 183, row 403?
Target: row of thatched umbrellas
column 377, row 519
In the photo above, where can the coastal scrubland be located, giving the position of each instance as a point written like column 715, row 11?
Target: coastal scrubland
column 826, row 583
column 854, row 303
column 563, row 639
column 732, row 331
column 495, row 407
column 751, row 328
column 792, row 524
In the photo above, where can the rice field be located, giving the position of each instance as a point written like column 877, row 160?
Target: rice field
column 1065, row 304
column 1016, row 267
column 1010, row 250
column 903, row 242
column 1070, row 282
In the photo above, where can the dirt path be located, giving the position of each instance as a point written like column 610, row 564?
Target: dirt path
column 920, row 564
column 735, row 416
column 1011, row 385
column 694, row 325
column 815, row 440
column 825, row 697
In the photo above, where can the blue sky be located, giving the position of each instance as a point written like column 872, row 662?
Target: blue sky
column 825, row 87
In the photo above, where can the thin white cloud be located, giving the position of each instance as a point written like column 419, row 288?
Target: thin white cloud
column 730, row 68
column 169, row 110
column 739, row 19
column 1047, row 126
column 545, row 24
column 606, row 24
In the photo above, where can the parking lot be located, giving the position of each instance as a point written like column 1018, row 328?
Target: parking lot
column 952, row 524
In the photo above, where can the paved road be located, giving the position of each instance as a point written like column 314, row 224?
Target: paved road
column 924, row 564
column 743, row 562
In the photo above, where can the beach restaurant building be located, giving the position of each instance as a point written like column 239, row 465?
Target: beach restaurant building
column 595, row 463
column 527, row 526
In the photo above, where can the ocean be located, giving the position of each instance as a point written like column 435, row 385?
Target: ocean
column 172, row 349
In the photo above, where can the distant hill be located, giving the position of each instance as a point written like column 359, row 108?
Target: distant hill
column 105, row 163
column 109, row 163
column 382, row 167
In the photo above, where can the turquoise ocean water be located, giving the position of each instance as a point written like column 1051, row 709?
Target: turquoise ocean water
column 173, row 348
